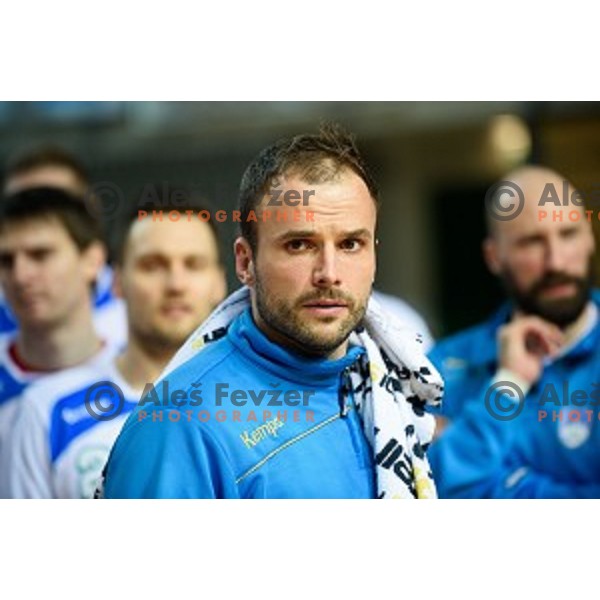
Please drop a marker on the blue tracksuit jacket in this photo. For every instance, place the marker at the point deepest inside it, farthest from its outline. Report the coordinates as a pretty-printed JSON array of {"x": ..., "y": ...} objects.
[
  {"x": 245, "y": 418},
  {"x": 550, "y": 450}
]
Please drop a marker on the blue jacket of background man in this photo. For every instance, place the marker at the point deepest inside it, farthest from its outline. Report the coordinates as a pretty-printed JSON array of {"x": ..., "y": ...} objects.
[
  {"x": 530, "y": 455},
  {"x": 209, "y": 451}
]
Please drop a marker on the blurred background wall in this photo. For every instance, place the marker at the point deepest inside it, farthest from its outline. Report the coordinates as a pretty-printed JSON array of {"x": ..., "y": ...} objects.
[{"x": 434, "y": 162}]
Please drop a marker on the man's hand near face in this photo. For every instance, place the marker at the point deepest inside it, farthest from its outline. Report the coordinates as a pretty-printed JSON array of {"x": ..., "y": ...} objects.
[{"x": 524, "y": 343}]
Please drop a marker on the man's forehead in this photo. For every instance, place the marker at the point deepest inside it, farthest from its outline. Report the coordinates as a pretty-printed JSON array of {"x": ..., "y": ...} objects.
[
  {"x": 296, "y": 180},
  {"x": 148, "y": 236},
  {"x": 169, "y": 252},
  {"x": 33, "y": 232},
  {"x": 546, "y": 204},
  {"x": 303, "y": 231},
  {"x": 57, "y": 176},
  {"x": 347, "y": 191},
  {"x": 295, "y": 176}
]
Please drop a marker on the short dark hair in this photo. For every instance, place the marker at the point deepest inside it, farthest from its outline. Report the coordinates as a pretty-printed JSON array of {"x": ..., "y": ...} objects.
[
  {"x": 167, "y": 205},
  {"x": 47, "y": 203},
  {"x": 315, "y": 157},
  {"x": 46, "y": 156}
]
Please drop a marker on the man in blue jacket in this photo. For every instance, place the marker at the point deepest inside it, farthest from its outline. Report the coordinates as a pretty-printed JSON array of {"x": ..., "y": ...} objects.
[
  {"x": 521, "y": 398},
  {"x": 281, "y": 403}
]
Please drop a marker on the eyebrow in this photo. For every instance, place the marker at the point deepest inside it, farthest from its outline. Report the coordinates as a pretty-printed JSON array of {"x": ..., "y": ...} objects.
[
  {"x": 42, "y": 247},
  {"x": 10, "y": 255},
  {"x": 308, "y": 233},
  {"x": 167, "y": 256}
]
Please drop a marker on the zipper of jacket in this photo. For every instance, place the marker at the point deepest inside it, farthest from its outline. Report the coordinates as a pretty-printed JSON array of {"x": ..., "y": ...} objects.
[
  {"x": 346, "y": 403},
  {"x": 344, "y": 391}
]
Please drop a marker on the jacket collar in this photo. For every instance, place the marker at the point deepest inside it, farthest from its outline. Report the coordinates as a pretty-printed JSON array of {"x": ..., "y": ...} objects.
[{"x": 283, "y": 362}]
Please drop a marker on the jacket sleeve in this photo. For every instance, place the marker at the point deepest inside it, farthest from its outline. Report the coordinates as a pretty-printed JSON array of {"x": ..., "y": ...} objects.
[
  {"x": 470, "y": 453},
  {"x": 154, "y": 459},
  {"x": 475, "y": 458},
  {"x": 522, "y": 482}
]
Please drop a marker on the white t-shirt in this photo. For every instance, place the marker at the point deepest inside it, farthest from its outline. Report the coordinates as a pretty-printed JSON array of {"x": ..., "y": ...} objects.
[
  {"x": 44, "y": 420},
  {"x": 13, "y": 382}
]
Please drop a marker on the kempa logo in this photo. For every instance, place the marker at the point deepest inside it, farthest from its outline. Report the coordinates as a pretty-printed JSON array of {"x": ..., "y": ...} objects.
[{"x": 254, "y": 437}]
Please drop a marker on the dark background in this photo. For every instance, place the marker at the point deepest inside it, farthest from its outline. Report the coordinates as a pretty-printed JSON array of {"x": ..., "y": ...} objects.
[{"x": 434, "y": 162}]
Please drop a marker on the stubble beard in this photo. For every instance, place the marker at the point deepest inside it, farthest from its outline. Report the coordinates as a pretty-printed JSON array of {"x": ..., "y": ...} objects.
[{"x": 284, "y": 319}]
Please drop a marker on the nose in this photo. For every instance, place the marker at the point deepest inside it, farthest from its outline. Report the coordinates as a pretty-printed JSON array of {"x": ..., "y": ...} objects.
[
  {"x": 176, "y": 279},
  {"x": 23, "y": 270},
  {"x": 556, "y": 255},
  {"x": 326, "y": 270}
]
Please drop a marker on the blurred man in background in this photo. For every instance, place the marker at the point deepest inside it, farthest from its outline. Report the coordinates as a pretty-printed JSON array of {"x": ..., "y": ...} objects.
[
  {"x": 45, "y": 166},
  {"x": 49, "y": 166},
  {"x": 514, "y": 431},
  {"x": 170, "y": 276},
  {"x": 51, "y": 252}
]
